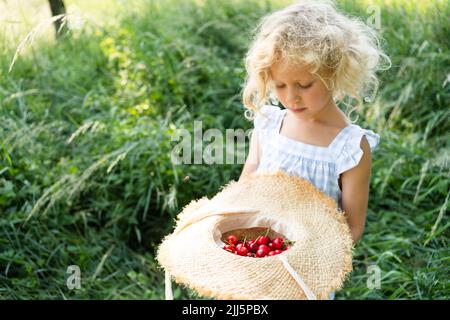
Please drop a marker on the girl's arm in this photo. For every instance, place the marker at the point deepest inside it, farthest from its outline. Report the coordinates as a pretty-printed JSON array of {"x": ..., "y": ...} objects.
[
  {"x": 355, "y": 192},
  {"x": 251, "y": 164}
]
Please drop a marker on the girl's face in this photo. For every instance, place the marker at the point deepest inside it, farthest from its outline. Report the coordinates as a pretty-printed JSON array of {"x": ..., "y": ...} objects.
[{"x": 302, "y": 93}]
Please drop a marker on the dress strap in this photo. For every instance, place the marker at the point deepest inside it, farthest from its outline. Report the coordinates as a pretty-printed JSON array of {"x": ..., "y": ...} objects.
[{"x": 341, "y": 138}]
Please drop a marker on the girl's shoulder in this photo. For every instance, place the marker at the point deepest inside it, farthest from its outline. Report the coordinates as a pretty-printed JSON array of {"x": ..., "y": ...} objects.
[
  {"x": 267, "y": 117},
  {"x": 348, "y": 149}
]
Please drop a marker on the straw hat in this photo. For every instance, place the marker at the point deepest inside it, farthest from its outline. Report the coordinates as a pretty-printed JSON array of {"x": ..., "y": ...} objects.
[{"x": 316, "y": 265}]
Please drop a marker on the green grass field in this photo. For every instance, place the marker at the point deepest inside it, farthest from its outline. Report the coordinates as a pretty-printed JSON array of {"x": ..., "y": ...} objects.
[{"x": 85, "y": 127}]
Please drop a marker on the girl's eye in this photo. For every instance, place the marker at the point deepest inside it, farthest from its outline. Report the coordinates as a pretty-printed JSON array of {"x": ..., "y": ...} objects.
[
  {"x": 281, "y": 86},
  {"x": 305, "y": 87}
]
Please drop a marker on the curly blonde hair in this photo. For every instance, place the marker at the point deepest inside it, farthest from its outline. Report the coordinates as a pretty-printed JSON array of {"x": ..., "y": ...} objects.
[{"x": 341, "y": 49}]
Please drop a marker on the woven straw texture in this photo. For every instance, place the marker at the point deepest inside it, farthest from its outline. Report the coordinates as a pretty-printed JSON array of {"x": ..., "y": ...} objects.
[{"x": 321, "y": 255}]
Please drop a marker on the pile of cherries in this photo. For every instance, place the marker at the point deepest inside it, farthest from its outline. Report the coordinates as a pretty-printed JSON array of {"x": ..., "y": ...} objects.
[{"x": 260, "y": 247}]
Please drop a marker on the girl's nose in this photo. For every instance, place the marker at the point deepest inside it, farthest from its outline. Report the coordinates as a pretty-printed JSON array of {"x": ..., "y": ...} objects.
[{"x": 293, "y": 96}]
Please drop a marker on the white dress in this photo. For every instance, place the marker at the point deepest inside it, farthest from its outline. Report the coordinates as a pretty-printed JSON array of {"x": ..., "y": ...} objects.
[{"x": 319, "y": 165}]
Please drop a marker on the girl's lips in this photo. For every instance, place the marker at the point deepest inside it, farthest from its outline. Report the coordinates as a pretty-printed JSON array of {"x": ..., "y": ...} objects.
[{"x": 298, "y": 110}]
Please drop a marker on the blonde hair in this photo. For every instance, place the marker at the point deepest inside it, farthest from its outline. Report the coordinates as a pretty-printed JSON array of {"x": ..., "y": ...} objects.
[{"x": 313, "y": 34}]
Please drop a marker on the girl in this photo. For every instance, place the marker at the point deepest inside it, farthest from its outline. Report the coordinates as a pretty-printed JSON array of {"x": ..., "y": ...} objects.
[{"x": 308, "y": 57}]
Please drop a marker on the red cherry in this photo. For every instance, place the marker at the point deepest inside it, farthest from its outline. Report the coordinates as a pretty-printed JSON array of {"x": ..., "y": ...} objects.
[
  {"x": 230, "y": 248},
  {"x": 242, "y": 250},
  {"x": 260, "y": 253},
  {"x": 286, "y": 248},
  {"x": 231, "y": 239},
  {"x": 253, "y": 247},
  {"x": 270, "y": 245},
  {"x": 278, "y": 243},
  {"x": 271, "y": 253},
  {"x": 263, "y": 240},
  {"x": 264, "y": 248},
  {"x": 278, "y": 251}
]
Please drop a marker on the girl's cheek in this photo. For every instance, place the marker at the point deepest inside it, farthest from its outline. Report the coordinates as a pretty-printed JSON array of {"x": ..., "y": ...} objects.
[
  {"x": 310, "y": 99},
  {"x": 315, "y": 98}
]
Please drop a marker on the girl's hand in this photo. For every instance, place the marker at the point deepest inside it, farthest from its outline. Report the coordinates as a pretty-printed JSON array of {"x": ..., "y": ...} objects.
[{"x": 355, "y": 192}]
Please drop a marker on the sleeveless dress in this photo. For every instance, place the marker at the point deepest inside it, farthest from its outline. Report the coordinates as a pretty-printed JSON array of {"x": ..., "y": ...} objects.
[{"x": 319, "y": 165}]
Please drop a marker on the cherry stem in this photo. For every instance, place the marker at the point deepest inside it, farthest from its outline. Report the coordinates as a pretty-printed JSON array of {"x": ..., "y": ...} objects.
[{"x": 288, "y": 243}]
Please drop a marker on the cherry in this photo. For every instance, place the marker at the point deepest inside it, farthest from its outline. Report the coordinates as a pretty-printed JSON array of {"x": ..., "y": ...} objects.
[
  {"x": 242, "y": 250},
  {"x": 271, "y": 253},
  {"x": 278, "y": 243},
  {"x": 253, "y": 247},
  {"x": 265, "y": 248},
  {"x": 263, "y": 240},
  {"x": 240, "y": 245},
  {"x": 260, "y": 253},
  {"x": 230, "y": 247},
  {"x": 232, "y": 239},
  {"x": 278, "y": 251}
]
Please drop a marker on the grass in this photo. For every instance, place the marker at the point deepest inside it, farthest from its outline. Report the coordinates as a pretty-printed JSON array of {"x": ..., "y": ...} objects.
[{"x": 85, "y": 171}]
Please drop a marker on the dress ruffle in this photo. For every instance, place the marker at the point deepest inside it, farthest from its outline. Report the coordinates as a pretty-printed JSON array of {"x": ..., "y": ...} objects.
[
  {"x": 352, "y": 153},
  {"x": 266, "y": 117}
]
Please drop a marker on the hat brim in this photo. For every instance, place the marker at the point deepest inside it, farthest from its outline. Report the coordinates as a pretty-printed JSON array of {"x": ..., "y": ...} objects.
[{"x": 294, "y": 207}]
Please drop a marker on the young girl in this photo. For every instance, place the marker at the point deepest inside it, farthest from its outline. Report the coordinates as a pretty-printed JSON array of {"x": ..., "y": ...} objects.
[{"x": 309, "y": 56}]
